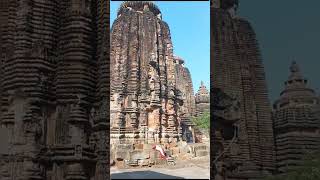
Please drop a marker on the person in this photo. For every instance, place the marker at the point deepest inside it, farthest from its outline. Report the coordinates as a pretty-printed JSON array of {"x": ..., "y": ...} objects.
[{"x": 163, "y": 154}]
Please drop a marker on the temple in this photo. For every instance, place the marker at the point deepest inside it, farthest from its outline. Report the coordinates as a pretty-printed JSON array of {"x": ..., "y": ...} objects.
[
  {"x": 202, "y": 100},
  {"x": 184, "y": 85},
  {"x": 152, "y": 99},
  {"x": 296, "y": 121},
  {"x": 237, "y": 71},
  {"x": 54, "y": 89},
  {"x": 144, "y": 95}
]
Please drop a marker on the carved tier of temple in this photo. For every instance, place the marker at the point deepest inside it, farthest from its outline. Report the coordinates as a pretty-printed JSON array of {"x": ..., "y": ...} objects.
[
  {"x": 237, "y": 70},
  {"x": 53, "y": 75},
  {"x": 296, "y": 121}
]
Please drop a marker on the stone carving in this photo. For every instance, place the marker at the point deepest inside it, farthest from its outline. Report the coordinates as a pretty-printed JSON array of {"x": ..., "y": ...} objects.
[
  {"x": 54, "y": 86},
  {"x": 295, "y": 120},
  {"x": 226, "y": 114},
  {"x": 237, "y": 69},
  {"x": 155, "y": 88}
]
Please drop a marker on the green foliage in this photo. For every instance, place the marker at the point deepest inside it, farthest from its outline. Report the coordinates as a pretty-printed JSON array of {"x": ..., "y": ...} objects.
[
  {"x": 309, "y": 170},
  {"x": 203, "y": 121}
]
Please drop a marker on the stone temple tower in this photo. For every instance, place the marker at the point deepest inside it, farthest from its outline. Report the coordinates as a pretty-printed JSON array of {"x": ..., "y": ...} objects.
[
  {"x": 145, "y": 100},
  {"x": 202, "y": 100},
  {"x": 296, "y": 120},
  {"x": 237, "y": 70},
  {"x": 53, "y": 96}
]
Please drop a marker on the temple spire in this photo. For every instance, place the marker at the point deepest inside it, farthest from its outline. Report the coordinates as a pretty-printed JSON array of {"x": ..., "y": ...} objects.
[
  {"x": 295, "y": 73},
  {"x": 294, "y": 67}
]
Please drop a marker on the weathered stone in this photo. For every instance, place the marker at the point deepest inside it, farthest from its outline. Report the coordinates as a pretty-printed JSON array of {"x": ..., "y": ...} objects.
[
  {"x": 125, "y": 147},
  {"x": 122, "y": 155},
  {"x": 175, "y": 150},
  {"x": 200, "y": 153},
  {"x": 187, "y": 108},
  {"x": 202, "y": 100},
  {"x": 237, "y": 70},
  {"x": 160, "y": 161},
  {"x": 144, "y": 96},
  {"x": 112, "y": 162},
  {"x": 138, "y": 146},
  {"x": 54, "y": 81},
  {"x": 151, "y": 90},
  {"x": 296, "y": 121}
]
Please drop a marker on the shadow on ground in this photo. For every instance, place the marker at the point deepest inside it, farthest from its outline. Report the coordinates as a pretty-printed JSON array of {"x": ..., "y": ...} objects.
[{"x": 143, "y": 175}]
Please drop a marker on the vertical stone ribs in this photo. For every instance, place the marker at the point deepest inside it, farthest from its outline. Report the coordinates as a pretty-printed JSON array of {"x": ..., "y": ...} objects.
[
  {"x": 187, "y": 110},
  {"x": 254, "y": 86},
  {"x": 145, "y": 99},
  {"x": 237, "y": 70},
  {"x": 54, "y": 88}
]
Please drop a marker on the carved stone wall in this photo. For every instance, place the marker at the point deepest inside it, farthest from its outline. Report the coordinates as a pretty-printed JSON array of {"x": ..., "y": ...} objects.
[
  {"x": 296, "y": 121},
  {"x": 237, "y": 70},
  {"x": 226, "y": 112},
  {"x": 187, "y": 110},
  {"x": 145, "y": 100},
  {"x": 54, "y": 88},
  {"x": 184, "y": 85}
]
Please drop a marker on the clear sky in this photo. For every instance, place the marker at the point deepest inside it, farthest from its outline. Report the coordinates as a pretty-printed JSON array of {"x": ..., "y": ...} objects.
[
  {"x": 189, "y": 24},
  {"x": 286, "y": 30}
]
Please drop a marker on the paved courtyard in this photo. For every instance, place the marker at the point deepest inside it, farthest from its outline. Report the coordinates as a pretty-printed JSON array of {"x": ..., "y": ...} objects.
[{"x": 193, "y": 171}]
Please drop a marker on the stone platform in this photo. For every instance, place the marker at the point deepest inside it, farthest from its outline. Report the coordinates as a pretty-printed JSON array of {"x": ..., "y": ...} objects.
[{"x": 142, "y": 155}]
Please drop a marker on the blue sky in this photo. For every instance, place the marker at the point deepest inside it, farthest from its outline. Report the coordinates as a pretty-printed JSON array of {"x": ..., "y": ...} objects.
[
  {"x": 189, "y": 24},
  {"x": 286, "y": 30}
]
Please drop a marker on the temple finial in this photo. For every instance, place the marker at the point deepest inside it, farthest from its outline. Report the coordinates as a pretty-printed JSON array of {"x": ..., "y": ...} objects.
[{"x": 294, "y": 67}]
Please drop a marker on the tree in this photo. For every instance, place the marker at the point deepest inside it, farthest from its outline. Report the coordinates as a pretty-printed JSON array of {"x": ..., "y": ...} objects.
[{"x": 202, "y": 121}]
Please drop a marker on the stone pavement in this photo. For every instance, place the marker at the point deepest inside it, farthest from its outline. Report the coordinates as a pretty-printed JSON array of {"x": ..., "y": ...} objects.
[{"x": 193, "y": 172}]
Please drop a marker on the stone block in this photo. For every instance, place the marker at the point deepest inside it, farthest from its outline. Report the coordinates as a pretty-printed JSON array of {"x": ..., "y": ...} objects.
[
  {"x": 138, "y": 146},
  {"x": 171, "y": 145},
  {"x": 168, "y": 152},
  {"x": 200, "y": 153},
  {"x": 112, "y": 162},
  {"x": 147, "y": 146},
  {"x": 160, "y": 161},
  {"x": 125, "y": 147},
  {"x": 175, "y": 150},
  {"x": 121, "y": 155},
  {"x": 185, "y": 149},
  {"x": 144, "y": 162},
  {"x": 137, "y": 154}
]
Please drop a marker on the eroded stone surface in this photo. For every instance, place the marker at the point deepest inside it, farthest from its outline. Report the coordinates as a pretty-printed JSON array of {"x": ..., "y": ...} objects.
[
  {"x": 237, "y": 70},
  {"x": 296, "y": 121},
  {"x": 152, "y": 98},
  {"x": 202, "y": 100},
  {"x": 53, "y": 75},
  {"x": 144, "y": 94}
]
